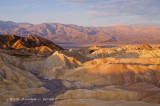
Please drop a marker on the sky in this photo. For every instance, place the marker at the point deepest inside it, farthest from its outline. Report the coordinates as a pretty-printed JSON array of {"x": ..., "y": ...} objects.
[{"x": 82, "y": 12}]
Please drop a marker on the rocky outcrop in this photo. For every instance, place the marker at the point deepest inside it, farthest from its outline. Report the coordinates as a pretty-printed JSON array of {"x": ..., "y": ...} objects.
[
  {"x": 18, "y": 45},
  {"x": 119, "y": 76},
  {"x": 36, "y": 41},
  {"x": 145, "y": 47},
  {"x": 56, "y": 63},
  {"x": 113, "y": 71},
  {"x": 16, "y": 42},
  {"x": 126, "y": 51},
  {"x": 44, "y": 51},
  {"x": 8, "y": 39},
  {"x": 16, "y": 83}
]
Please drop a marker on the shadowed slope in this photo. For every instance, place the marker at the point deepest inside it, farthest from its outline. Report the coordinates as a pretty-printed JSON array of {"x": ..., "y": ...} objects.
[
  {"x": 77, "y": 34},
  {"x": 16, "y": 42}
]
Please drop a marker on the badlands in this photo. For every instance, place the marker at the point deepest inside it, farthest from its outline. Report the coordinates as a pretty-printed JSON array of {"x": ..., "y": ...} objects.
[{"x": 120, "y": 76}]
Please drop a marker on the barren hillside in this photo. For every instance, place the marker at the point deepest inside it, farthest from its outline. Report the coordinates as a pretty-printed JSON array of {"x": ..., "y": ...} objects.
[{"x": 69, "y": 33}]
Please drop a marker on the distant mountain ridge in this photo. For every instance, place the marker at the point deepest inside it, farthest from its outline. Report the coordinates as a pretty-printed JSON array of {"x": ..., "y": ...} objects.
[{"x": 68, "y": 33}]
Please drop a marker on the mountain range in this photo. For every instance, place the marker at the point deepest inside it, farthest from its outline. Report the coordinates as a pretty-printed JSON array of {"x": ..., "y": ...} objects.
[{"x": 68, "y": 33}]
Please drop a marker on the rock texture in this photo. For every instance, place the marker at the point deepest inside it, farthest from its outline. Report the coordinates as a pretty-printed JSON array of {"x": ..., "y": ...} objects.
[
  {"x": 16, "y": 42},
  {"x": 149, "y": 93},
  {"x": 16, "y": 83},
  {"x": 126, "y": 51},
  {"x": 118, "y": 76},
  {"x": 114, "y": 77},
  {"x": 103, "y": 71},
  {"x": 56, "y": 62},
  {"x": 44, "y": 51}
]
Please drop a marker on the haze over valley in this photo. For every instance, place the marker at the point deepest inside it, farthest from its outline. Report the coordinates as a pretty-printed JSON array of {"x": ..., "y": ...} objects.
[{"x": 80, "y": 53}]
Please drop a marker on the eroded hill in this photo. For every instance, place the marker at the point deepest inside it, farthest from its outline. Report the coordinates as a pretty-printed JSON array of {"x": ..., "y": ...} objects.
[{"x": 118, "y": 76}]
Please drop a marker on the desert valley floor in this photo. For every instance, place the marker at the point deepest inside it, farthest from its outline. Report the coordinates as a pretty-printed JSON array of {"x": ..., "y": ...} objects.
[{"x": 48, "y": 75}]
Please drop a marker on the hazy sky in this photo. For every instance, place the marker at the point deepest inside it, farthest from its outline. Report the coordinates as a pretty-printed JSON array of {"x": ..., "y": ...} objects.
[{"x": 82, "y": 12}]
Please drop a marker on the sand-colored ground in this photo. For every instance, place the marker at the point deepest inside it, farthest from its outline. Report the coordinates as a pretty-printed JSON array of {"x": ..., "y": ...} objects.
[
  {"x": 119, "y": 76},
  {"x": 123, "y": 75},
  {"x": 16, "y": 83}
]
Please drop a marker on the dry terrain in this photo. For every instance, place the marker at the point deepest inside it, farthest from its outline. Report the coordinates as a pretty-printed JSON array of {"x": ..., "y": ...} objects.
[
  {"x": 127, "y": 75},
  {"x": 68, "y": 33}
]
